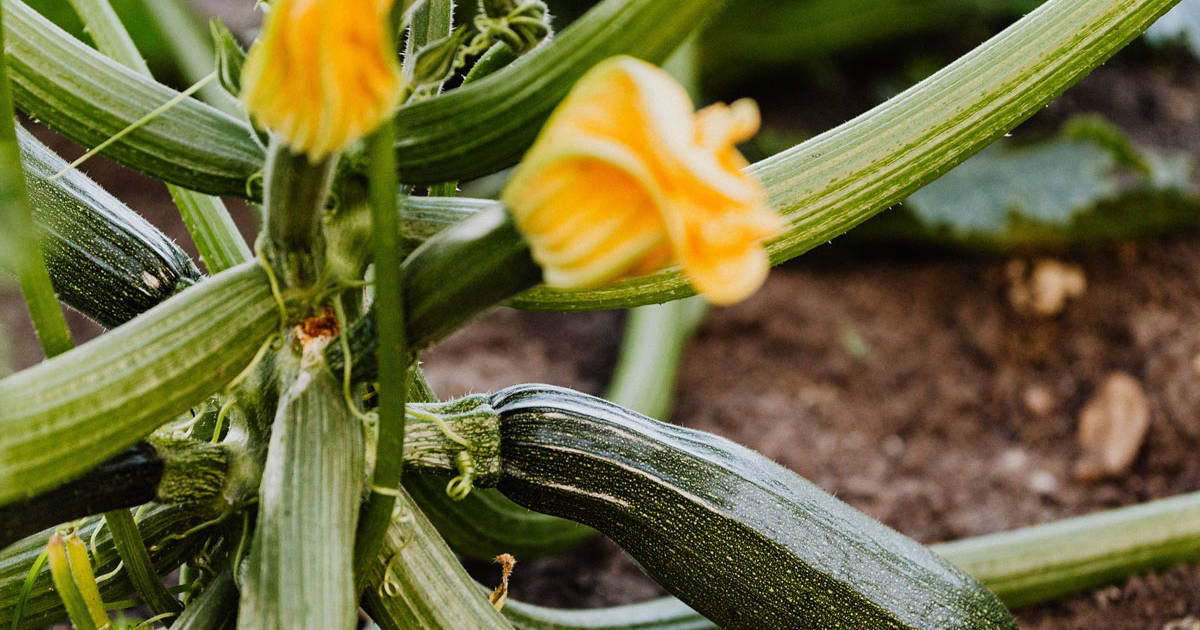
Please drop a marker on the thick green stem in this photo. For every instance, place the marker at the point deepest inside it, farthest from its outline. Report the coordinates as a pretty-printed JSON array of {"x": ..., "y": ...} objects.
[
  {"x": 299, "y": 570},
  {"x": 64, "y": 416},
  {"x": 416, "y": 582},
  {"x": 394, "y": 355},
  {"x": 294, "y": 196}
]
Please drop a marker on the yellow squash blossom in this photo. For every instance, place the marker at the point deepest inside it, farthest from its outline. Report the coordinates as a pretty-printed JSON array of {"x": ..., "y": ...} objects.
[
  {"x": 625, "y": 179},
  {"x": 323, "y": 73}
]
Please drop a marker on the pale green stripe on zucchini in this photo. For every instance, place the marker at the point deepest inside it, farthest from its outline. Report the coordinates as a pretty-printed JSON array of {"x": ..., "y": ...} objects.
[
  {"x": 63, "y": 416},
  {"x": 831, "y": 183}
]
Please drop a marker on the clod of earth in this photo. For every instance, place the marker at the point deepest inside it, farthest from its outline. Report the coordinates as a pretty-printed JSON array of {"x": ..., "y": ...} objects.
[{"x": 1112, "y": 427}]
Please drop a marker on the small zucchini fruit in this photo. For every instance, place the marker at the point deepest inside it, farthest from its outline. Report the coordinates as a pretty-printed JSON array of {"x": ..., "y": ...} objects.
[
  {"x": 740, "y": 539},
  {"x": 104, "y": 259}
]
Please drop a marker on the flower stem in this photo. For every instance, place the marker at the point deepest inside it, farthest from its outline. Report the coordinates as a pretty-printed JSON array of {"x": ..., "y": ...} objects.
[
  {"x": 294, "y": 196},
  {"x": 393, "y": 355}
]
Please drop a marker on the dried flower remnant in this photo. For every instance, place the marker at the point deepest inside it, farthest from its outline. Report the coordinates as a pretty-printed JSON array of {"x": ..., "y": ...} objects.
[{"x": 624, "y": 180}]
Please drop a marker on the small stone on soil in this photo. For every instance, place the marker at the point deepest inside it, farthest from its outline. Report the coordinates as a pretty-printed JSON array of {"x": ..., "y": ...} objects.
[
  {"x": 1112, "y": 427},
  {"x": 1043, "y": 289}
]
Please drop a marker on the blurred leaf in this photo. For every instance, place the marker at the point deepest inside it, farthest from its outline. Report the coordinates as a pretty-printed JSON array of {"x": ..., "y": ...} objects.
[
  {"x": 1179, "y": 25},
  {"x": 1047, "y": 183}
]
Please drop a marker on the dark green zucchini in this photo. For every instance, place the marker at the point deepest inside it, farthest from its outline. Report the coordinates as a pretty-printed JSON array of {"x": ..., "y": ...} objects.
[
  {"x": 737, "y": 537},
  {"x": 105, "y": 260}
]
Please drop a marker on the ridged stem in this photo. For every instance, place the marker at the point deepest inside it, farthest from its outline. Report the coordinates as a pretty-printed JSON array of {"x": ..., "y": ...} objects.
[
  {"x": 64, "y": 416},
  {"x": 394, "y": 355},
  {"x": 300, "y": 566},
  {"x": 416, "y": 582},
  {"x": 294, "y": 194}
]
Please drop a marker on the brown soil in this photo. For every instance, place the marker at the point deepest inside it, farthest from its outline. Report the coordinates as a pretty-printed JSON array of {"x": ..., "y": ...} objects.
[{"x": 931, "y": 430}]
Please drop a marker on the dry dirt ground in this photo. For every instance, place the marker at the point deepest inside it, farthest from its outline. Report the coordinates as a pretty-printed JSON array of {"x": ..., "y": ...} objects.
[{"x": 904, "y": 382}]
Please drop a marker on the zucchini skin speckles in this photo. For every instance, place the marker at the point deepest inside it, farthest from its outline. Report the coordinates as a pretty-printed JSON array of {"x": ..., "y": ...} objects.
[{"x": 737, "y": 537}]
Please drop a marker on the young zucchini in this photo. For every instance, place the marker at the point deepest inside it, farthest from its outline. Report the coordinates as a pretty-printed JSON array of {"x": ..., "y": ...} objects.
[
  {"x": 739, "y": 538},
  {"x": 104, "y": 260}
]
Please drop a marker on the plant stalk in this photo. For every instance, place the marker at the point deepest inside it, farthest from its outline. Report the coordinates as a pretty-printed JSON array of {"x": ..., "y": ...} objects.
[
  {"x": 294, "y": 197},
  {"x": 393, "y": 358}
]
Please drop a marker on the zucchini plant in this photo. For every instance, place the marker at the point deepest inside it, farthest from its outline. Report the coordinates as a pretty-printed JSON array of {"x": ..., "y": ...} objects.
[{"x": 266, "y": 428}]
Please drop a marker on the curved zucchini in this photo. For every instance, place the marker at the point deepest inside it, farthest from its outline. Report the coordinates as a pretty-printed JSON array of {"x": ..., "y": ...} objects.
[
  {"x": 739, "y": 538},
  {"x": 104, "y": 259}
]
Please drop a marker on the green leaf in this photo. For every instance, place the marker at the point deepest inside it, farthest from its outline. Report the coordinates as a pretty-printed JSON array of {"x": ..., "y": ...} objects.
[
  {"x": 1079, "y": 185},
  {"x": 1048, "y": 183}
]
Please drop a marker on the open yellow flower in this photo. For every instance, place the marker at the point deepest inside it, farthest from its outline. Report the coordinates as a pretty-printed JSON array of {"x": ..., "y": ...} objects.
[
  {"x": 624, "y": 179},
  {"x": 323, "y": 73}
]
